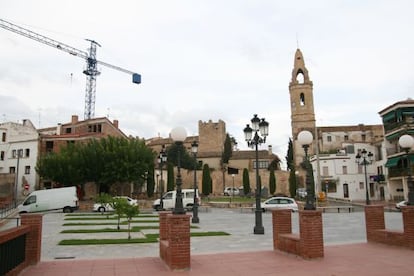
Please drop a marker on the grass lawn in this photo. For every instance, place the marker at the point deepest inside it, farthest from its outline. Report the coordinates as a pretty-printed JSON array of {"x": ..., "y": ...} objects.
[
  {"x": 149, "y": 238},
  {"x": 108, "y": 220}
]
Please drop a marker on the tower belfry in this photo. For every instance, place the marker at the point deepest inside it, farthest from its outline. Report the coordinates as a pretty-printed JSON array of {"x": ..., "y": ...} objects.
[{"x": 301, "y": 105}]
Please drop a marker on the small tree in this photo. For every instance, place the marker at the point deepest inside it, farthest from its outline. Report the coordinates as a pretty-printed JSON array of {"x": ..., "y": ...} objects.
[
  {"x": 119, "y": 205},
  {"x": 130, "y": 212},
  {"x": 272, "y": 181},
  {"x": 206, "y": 180},
  {"x": 292, "y": 182},
  {"x": 246, "y": 182},
  {"x": 150, "y": 181},
  {"x": 103, "y": 199},
  {"x": 170, "y": 177}
]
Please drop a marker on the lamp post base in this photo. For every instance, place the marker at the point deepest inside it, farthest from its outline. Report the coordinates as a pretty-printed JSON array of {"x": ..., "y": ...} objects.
[{"x": 258, "y": 228}]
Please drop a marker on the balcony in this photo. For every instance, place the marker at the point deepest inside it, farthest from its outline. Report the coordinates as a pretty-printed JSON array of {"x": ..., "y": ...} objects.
[{"x": 397, "y": 172}]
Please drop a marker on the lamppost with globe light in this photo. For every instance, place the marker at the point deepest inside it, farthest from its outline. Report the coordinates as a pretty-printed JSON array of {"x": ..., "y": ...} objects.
[
  {"x": 305, "y": 138},
  {"x": 365, "y": 158},
  {"x": 178, "y": 135},
  {"x": 262, "y": 127},
  {"x": 195, "y": 218},
  {"x": 406, "y": 142},
  {"x": 162, "y": 158}
]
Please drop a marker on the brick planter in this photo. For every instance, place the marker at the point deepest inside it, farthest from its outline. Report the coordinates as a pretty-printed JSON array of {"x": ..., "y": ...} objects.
[
  {"x": 309, "y": 243},
  {"x": 175, "y": 240}
]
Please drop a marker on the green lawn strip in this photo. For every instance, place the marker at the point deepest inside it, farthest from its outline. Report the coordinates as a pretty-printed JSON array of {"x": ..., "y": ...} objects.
[
  {"x": 98, "y": 218},
  {"x": 149, "y": 238},
  {"x": 108, "y": 215},
  {"x": 229, "y": 199},
  {"x": 108, "y": 230},
  {"x": 107, "y": 223}
]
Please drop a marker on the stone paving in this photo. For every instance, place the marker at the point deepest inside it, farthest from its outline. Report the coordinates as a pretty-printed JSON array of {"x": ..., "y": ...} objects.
[{"x": 342, "y": 228}]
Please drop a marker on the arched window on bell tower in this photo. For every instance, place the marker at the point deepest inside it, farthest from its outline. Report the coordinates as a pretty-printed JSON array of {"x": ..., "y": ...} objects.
[
  {"x": 302, "y": 99},
  {"x": 300, "y": 78}
]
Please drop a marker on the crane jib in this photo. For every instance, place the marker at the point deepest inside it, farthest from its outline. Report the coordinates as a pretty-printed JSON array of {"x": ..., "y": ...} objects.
[{"x": 90, "y": 57}]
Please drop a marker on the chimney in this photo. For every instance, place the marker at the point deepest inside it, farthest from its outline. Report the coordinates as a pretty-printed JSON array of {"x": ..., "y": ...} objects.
[
  {"x": 59, "y": 129},
  {"x": 270, "y": 149},
  {"x": 116, "y": 123},
  {"x": 75, "y": 119}
]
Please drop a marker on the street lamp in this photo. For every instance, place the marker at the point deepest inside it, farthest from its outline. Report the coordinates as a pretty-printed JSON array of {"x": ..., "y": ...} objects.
[
  {"x": 407, "y": 142},
  {"x": 178, "y": 135},
  {"x": 305, "y": 138},
  {"x": 254, "y": 141},
  {"x": 364, "y": 159},
  {"x": 162, "y": 158},
  {"x": 194, "y": 149}
]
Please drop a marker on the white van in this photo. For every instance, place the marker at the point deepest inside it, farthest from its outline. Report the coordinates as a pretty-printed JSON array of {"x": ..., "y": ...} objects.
[
  {"x": 168, "y": 200},
  {"x": 51, "y": 199}
]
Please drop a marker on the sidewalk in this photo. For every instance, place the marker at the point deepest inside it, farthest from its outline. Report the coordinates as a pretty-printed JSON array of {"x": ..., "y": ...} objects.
[{"x": 352, "y": 259}]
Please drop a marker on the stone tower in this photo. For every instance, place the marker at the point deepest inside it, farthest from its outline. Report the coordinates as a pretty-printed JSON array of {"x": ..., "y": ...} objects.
[
  {"x": 211, "y": 137},
  {"x": 301, "y": 105}
]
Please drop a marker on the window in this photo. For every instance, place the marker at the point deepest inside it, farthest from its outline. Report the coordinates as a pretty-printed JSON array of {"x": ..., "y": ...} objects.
[
  {"x": 49, "y": 146},
  {"x": 262, "y": 164},
  {"x": 30, "y": 200},
  {"x": 3, "y": 137},
  {"x": 299, "y": 77},
  {"x": 329, "y": 138},
  {"x": 14, "y": 154},
  {"x": 27, "y": 170},
  {"x": 363, "y": 137},
  {"x": 95, "y": 128},
  {"x": 344, "y": 170},
  {"x": 302, "y": 99},
  {"x": 325, "y": 170},
  {"x": 27, "y": 153},
  {"x": 359, "y": 169},
  {"x": 68, "y": 130},
  {"x": 12, "y": 170},
  {"x": 2, "y": 155},
  {"x": 346, "y": 138},
  {"x": 361, "y": 185}
]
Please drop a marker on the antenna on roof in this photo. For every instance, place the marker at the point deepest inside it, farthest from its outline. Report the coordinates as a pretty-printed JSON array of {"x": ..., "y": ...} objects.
[{"x": 297, "y": 40}]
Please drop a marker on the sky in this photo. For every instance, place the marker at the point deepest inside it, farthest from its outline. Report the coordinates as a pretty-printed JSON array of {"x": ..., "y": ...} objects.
[{"x": 207, "y": 60}]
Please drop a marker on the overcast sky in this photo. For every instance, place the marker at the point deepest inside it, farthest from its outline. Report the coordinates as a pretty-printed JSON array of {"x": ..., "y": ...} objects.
[{"x": 207, "y": 59}]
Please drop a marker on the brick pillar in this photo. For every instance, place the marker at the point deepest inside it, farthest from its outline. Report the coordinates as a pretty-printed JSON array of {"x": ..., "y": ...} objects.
[
  {"x": 408, "y": 221},
  {"x": 163, "y": 225},
  {"x": 179, "y": 241},
  {"x": 311, "y": 234},
  {"x": 282, "y": 224},
  {"x": 34, "y": 237},
  {"x": 374, "y": 220}
]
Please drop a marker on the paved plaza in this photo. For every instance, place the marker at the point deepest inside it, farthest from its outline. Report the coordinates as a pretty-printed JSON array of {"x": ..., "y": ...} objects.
[
  {"x": 241, "y": 253},
  {"x": 339, "y": 228}
]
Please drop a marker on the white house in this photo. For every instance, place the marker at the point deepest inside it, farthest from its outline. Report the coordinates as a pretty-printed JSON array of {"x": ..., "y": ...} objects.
[{"x": 18, "y": 155}]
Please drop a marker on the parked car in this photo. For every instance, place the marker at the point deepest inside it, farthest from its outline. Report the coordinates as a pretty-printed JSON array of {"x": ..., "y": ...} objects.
[
  {"x": 107, "y": 207},
  {"x": 401, "y": 204},
  {"x": 168, "y": 200},
  {"x": 231, "y": 191},
  {"x": 279, "y": 202}
]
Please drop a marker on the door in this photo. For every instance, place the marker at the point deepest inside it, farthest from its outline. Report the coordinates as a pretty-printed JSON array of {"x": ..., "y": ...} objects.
[
  {"x": 346, "y": 191},
  {"x": 382, "y": 193},
  {"x": 168, "y": 200}
]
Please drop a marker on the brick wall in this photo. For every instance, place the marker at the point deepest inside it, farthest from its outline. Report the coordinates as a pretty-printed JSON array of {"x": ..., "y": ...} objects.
[{"x": 31, "y": 225}]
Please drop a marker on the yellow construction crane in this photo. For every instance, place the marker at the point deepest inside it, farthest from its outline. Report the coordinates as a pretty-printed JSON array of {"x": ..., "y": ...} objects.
[{"x": 91, "y": 70}]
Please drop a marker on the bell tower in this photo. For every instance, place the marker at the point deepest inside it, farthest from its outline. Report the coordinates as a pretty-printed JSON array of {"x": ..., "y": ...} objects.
[{"x": 301, "y": 106}]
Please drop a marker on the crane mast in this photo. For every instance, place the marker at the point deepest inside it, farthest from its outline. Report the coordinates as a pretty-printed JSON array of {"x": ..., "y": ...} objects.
[{"x": 91, "y": 70}]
